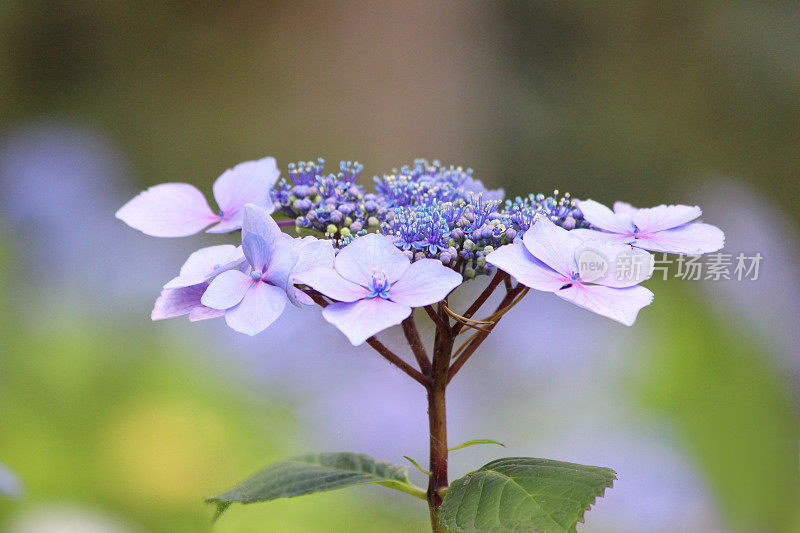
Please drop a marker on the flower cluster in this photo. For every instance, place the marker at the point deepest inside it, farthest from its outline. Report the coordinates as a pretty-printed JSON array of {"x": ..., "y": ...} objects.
[
  {"x": 376, "y": 256},
  {"x": 333, "y": 204}
]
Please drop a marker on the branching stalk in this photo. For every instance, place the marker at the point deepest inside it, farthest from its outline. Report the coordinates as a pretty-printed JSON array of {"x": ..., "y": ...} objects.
[
  {"x": 511, "y": 298},
  {"x": 393, "y": 358},
  {"x": 378, "y": 346},
  {"x": 415, "y": 342},
  {"x": 435, "y": 374},
  {"x": 487, "y": 292}
]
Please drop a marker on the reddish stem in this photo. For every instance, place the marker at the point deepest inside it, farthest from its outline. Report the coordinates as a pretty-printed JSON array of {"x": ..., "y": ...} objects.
[
  {"x": 396, "y": 361},
  {"x": 481, "y": 335},
  {"x": 415, "y": 342},
  {"x": 437, "y": 420},
  {"x": 377, "y": 345},
  {"x": 476, "y": 305}
]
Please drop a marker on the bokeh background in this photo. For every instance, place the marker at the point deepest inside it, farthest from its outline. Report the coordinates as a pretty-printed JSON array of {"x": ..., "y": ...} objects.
[{"x": 111, "y": 423}]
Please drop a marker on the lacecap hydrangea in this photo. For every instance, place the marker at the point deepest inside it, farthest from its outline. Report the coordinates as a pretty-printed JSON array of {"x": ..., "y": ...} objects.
[{"x": 424, "y": 212}]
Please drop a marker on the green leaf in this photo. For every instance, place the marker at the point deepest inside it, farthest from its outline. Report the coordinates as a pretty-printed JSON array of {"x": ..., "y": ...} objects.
[
  {"x": 523, "y": 494},
  {"x": 413, "y": 462},
  {"x": 319, "y": 472},
  {"x": 473, "y": 442}
]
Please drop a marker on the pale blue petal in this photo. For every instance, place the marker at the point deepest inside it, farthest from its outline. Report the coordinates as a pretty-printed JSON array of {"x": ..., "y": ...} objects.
[
  {"x": 604, "y": 218},
  {"x": 246, "y": 183},
  {"x": 257, "y": 251},
  {"x": 552, "y": 245},
  {"x": 692, "y": 239},
  {"x": 178, "y": 302},
  {"x": 362, "y": 319},
  {"x": 622, "y": 305},
  {"x": 587, "y": 234},
  {"x": 281, "y": 263},
  {"x": 206, "y": 263},
  {"x": 425, "y": 282},
  {"x": 664, "y": 217},
  {"x": 227, "y": 290},
  {"x": 371, "y": 253},
  {"x": 331, "y": 284},
  {"x": 168, "y": 210},
  {"x": 516, "y": 260},
  {"x": 612, "y": 264},
  {"x": 259, "y": 308},
  {"x": 204, "y": 313},
  {"x": 313, "y": 253},
  {"x": 257, "y": 220},
  {"x": 231, "y": 222},
  {"x": 302, "y": 298},
  {"x": 623, "y": 208}
]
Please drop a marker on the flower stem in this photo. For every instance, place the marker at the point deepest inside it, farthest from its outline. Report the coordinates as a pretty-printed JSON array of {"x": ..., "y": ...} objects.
[
  {"x": 415, "y": 342},
  {"x": 496, "y": 280},
  {"x": 436, "y": 320},
  {"x": 390, "y": 356},
  {"x": 437, "y": 420},
  {"x": 480, "y": 336},
  {"x": 379, "y": 347}
]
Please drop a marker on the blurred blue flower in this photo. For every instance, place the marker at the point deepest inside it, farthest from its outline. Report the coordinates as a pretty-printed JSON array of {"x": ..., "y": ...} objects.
[{"x": 9, "y": 483}]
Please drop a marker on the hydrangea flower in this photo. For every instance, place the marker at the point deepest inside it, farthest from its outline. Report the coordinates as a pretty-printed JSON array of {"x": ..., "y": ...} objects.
[
  {"x": 426, "y": 211},
  {"x": 180, "y": 209},
  {"x": 665, "y": 228},
  {"x": 182, "y": 295},
  {"x": 376, "y": 286},
  {"x": 552, "y": 259},
  {"x": 253, "y": 298}
]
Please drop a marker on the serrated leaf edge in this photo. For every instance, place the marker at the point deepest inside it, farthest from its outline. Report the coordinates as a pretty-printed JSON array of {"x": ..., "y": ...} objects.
[{"x": 581, "y": 519}]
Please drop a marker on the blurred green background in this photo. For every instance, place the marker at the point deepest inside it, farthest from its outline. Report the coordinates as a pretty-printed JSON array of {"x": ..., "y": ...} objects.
[{"x": 116, "y": 424}]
